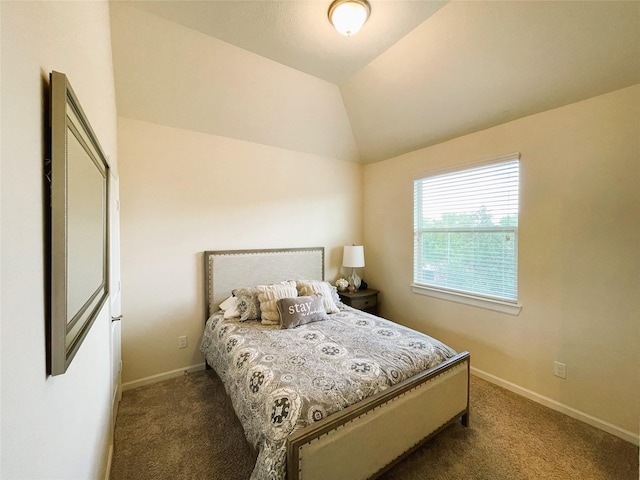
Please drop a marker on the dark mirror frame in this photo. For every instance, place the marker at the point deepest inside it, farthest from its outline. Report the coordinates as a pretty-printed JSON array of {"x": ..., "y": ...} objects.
[{"x": 79, "y": 253}]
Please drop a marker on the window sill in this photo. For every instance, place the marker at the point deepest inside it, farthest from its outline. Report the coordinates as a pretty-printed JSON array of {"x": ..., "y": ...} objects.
[{"x": 481, "y": 302}]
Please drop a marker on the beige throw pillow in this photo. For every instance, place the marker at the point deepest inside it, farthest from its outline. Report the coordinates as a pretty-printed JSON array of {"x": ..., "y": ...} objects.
[
  {"x": 311, "y": 287},
  {"x": 269, "y": 295}
]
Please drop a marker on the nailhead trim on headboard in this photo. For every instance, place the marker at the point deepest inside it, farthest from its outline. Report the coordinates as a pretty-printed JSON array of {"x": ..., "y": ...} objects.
[{"x": 229, "y": 269}]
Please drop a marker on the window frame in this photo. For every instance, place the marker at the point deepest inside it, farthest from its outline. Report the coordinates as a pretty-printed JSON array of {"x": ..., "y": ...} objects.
[{"x": 511, "y": 307}]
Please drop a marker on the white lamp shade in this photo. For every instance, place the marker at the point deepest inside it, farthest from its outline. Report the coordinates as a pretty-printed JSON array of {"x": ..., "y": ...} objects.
[
  {"x": 348, "y": 16},
  {"x": 353, "y": 256}
]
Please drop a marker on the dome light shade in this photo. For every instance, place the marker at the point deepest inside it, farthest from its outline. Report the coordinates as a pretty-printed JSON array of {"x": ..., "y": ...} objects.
[{"x": 348, "y": 16}]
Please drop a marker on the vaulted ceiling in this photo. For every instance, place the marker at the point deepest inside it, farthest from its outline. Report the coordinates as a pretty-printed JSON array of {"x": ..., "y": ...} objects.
[{"x": 419, "y": 72}]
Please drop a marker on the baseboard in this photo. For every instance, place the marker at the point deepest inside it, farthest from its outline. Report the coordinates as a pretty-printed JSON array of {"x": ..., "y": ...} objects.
[
  {"x": 162, "y": 376},
  {"x": 559, "y": 407},
  {"x": 107, "y": 474}
]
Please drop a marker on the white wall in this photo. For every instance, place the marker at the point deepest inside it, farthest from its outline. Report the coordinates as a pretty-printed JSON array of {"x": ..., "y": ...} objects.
[
  {"x": 172, "y": 75},
  {"x": 183, "y": 192},
  {"x": 51, "y": 427},
  {"x": 579, "y": 256}
]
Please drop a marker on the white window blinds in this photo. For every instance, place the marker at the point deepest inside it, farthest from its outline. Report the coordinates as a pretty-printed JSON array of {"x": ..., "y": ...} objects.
[{"x": 466, "y": 231}]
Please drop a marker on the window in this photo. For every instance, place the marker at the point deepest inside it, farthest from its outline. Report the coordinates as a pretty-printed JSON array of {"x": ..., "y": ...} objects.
[{"x": 466, "y": 233}]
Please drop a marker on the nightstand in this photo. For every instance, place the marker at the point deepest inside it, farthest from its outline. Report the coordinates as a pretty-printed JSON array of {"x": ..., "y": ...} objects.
[{"x": 366, "y": 300}]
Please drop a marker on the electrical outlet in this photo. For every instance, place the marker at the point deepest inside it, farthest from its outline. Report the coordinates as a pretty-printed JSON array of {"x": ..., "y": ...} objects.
[
  {"x": 560, "y": 369},
  {"x": 182, "y": 341}
]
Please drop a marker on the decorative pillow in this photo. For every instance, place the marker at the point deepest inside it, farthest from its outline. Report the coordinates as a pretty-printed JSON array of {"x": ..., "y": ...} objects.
[
  {"x": 269, "y": 294},
  {"x": 334, "y": 294},
  {"x": 248, "y": 304},
  {"x": 300, "y": 310},
  {"x": 311, "y": 287},
  {"x": 229, "y": 302},
  {"x": 230, "y": 307}
]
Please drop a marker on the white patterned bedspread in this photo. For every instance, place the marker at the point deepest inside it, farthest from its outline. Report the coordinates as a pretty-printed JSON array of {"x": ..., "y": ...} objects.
[{"x": 283, "y": 380}]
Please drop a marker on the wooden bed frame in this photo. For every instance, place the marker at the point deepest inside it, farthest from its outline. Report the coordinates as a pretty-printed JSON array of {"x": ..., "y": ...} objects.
[{"x": 367, "y": 438}]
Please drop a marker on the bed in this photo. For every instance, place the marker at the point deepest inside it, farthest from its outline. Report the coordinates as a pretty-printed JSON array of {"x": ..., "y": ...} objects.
[{"x": 344, "y": 397}]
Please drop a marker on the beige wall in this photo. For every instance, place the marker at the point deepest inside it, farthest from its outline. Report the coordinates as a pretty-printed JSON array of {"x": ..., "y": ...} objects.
[
  {"x": 52, "y": 427},
  {"x": 183, "y": 192},
  {"x": 579, "y": 256},
  {"x": 220, "y": 149},
  {"x": 457, "y": 73}
]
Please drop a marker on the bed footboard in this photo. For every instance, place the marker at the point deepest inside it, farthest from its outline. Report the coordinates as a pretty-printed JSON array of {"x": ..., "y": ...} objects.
[{"x": 368, "y": 438}]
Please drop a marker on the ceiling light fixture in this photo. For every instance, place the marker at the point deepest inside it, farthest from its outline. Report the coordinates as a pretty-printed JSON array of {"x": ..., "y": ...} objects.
[{"x": 348, "y": 16}]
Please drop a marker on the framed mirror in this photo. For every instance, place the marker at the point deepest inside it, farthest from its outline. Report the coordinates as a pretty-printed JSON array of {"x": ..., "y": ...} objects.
[{"x": 79, "y": 226}]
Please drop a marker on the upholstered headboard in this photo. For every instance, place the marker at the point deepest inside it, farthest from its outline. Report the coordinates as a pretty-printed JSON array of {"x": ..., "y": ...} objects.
[{"x": 228, "y": 269}]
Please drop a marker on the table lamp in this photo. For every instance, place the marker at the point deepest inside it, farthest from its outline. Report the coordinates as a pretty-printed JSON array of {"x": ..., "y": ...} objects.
[{"x": 353, "y": 256}]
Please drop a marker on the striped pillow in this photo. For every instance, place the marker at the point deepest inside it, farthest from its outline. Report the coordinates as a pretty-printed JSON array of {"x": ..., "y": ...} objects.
[{"x": 268, "y": 295}]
